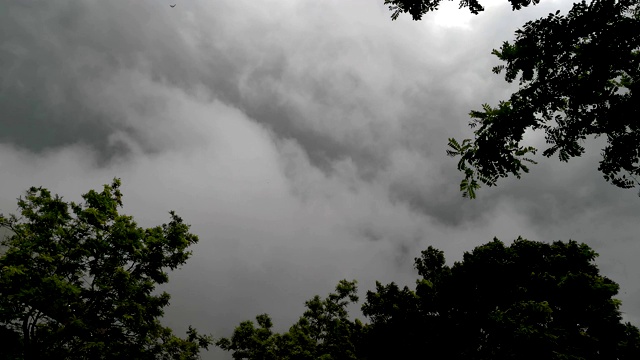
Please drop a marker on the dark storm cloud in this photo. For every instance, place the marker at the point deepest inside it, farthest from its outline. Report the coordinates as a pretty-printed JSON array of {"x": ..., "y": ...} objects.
[
  {"x": 84, "y": 43},
  {"x": 40, "y": 98},
  {"x": 303, "y": 81},
  {"x": 48, "y": 56},
  {"x": 55, "y": 56},
  {"x": 51, "y": 53}
]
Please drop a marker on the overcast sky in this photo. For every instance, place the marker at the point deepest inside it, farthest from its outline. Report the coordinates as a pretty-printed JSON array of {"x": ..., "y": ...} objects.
[{"x": 304, "y": 140}]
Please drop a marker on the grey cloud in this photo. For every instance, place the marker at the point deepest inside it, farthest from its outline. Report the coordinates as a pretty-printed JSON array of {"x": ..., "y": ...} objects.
[
  {"x": 54, "y": 54},
  {"x": 85, "y": 43},
  {"x": 370, "y": 234}
]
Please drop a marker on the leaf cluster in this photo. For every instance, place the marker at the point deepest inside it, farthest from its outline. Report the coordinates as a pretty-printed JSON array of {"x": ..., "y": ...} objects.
[
  {"x": 417, "y": 8},
  {"x": 79, "y": 280},
  {"x": 579, "y": 75},
  {"x": 324, "y": 331}
]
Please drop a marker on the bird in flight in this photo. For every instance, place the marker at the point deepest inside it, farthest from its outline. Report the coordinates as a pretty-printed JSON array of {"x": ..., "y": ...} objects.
[{"x": 174, "y": 5}]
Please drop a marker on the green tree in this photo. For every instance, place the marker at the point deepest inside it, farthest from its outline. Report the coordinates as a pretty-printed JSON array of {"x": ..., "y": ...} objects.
[
  {"x": 569, "y": 89},
  {"x": 530, "y": 300},
  {"x": 324, "y": 332},
  {"x": 78, "y": 281},
  {"x": 409, "y": 319}
]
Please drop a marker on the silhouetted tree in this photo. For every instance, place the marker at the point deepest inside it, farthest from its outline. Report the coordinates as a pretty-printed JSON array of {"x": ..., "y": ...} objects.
[
  {"x": 530, "y": 300},
  {"x": 324, "y": 331}
]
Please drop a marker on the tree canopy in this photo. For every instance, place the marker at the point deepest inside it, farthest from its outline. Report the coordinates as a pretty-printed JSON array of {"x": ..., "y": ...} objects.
[
  {"x": 578, "y": 74},
  {"x": 324, "y": 332},
  {"x": 529, "y": 300},
  {"x": 78, "y": 281}
]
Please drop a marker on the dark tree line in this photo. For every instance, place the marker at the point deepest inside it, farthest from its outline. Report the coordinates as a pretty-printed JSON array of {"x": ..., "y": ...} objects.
[
  {"x": 529, "y": 300},
  {"x": 77, "y": 281}
]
